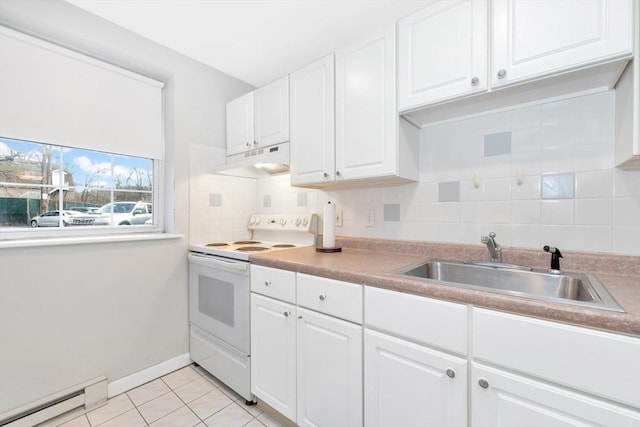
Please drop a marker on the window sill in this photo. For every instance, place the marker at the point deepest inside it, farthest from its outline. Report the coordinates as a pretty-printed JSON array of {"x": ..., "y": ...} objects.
[{"x": 80, "y": 240}]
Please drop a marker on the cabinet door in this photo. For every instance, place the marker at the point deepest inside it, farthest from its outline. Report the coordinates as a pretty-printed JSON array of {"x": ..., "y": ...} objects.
[
  {"x": 271, "y": 104},
  {"x": 329, "y": 371},
  {"x": 312, "y": 103},
  {"x": 273, "y": 354},
  {"x": 442, "y": 53},
  {"x": 501, "y": 399},
  {"x": 240, "y": 124},
  {"x": 535, "y": 38},
  {"x": 366, "y": 117},
  {"x": 407, "y": 384}
]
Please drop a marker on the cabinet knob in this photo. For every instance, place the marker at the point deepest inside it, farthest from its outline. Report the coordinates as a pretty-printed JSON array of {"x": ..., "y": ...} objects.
[
  {"x": 248, "y": 144},
  {"x": 255, "y": 142},
  {"x": 475, "y": 81},
  {"x": 501, "y": 73},
  {"x": 337, "y": 173},
  {"x": 326, "y": 175},
  {"x": 322, "y": 297},
  {"x": 482, "y": 382},
  {"x": 287, "y": 313},
  {"x": 451, "y": 373},
  {"x": 267, "y": 283}
]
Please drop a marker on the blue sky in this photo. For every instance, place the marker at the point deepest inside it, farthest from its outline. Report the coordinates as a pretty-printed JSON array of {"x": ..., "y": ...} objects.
[{"x": 90, "y": 168}]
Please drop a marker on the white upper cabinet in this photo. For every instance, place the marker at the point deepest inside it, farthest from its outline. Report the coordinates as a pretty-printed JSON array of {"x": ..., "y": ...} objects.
[
  {"x": 240, "y": 124},
  {"x": 442, "y": 53},
  {"x": 356, "y": 138},
  {"x": 366, "y": 121},
  {"x": 535, "y": 38},
  {"x": 312, "y": 93},
  {"x": 271, "y": 104}
]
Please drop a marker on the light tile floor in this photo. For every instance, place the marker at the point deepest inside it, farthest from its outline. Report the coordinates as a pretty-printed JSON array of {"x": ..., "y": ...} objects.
[{"x": 185, "y": 398}]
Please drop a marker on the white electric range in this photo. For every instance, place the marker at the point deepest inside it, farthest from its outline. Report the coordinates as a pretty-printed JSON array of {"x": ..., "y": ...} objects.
[{"x": 219, "y": 294}]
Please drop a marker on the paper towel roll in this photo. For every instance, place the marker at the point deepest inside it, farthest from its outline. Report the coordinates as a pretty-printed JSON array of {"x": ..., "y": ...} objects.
[{"x": 329, "y": 226}]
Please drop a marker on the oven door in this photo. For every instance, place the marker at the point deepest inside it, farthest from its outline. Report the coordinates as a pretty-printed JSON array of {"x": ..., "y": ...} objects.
[{"x": 219, "y": 298}]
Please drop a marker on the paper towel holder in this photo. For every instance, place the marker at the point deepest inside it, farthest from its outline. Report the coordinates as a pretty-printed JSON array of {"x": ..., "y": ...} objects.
[{"x": 328, "y": 224}]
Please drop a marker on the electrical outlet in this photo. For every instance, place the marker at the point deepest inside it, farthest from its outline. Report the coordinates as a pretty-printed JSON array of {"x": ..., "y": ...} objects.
[
  {"x": 338, "y": 218},
  {"x": 371, "y": 218}
]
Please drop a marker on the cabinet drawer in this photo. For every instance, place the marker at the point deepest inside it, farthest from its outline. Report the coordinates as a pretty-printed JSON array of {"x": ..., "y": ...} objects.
[
  {"x": 333, "y": 297},
  {"x": 437, "y": 323},
  {"x": 596, "y": 362},
  {"x": 274, "y": 283}
]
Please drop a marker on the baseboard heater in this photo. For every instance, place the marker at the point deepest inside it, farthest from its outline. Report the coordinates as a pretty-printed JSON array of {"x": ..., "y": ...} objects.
[{"x": 88, "y": 394}]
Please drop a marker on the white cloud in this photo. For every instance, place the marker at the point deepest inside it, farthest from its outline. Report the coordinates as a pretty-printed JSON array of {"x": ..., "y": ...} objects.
[{"x": 4, "y": 149}]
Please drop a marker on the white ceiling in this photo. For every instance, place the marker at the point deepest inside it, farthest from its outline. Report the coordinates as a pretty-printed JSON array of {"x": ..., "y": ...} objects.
[{"x": 254, "y": 40}]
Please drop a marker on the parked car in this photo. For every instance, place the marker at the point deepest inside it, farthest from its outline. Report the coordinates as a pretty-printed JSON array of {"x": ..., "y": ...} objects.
[
  {"x": 84, "y": 209},
  {"x": 125, "y": 213},
  {"x": 69, "y": 217}
]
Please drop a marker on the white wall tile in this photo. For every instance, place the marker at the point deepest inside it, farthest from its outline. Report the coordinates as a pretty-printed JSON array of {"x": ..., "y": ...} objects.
[
  {"x": 561, "y": 236},
  {"x": 526, "y": 235},
  {"x": 626, "y": 240},
  {"x": 497, "y": 189},
  {"x": 497, "y": 212},
  {"x": 594, "y": 212},
  {"x": 626, "y": 211},
  {"x": 557, "y": 212},
  {"x": 526, "y": 212},
  {"x": 529, "y": 188},
  {"x": 594, "y": 184},
  {"x": 594, "y": 238}
]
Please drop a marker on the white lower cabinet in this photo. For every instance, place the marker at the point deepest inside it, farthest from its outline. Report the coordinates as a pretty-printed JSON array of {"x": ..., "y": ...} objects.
[
  {"x": 329, "y": 371},
  {"x": 502, "y": 399},
  {"x": 307, "y": 364},
  {"x": 407, "y": 384},
  {"x": 273, "y": 353}
]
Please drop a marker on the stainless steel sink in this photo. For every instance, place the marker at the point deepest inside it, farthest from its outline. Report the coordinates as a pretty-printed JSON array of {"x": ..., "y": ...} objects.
[{"x": 569, "y": 288}]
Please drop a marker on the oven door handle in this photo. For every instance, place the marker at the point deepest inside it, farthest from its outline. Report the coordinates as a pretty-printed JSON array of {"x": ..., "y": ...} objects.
[{"x": 210, "y": 261}]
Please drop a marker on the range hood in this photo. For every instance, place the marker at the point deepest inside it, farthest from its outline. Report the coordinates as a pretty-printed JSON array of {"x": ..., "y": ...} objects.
[{"x": 257, "y": 163}]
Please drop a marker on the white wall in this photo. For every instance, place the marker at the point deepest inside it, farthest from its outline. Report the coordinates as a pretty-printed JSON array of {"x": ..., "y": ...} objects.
[
  {"x": 571, "y": 137},
  {"x": 69, "y": 313}
]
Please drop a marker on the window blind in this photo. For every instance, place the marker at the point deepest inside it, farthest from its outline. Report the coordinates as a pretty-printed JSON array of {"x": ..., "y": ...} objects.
[{"x": 51, "y": 94}]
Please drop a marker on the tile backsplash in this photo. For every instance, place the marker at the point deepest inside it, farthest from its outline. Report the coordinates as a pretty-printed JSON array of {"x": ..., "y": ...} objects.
[{"x": 535, "y": 175}]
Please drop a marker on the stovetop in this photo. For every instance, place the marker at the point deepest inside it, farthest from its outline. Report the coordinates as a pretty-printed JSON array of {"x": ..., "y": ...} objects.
[{"x": 270, "y": 232}]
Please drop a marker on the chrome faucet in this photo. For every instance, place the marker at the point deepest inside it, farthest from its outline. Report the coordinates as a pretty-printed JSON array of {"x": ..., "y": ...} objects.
[{"x": 494, "y": 248}]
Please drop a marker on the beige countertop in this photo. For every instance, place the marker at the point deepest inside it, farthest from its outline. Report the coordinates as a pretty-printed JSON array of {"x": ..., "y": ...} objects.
[{"x": 360, "y": 264}]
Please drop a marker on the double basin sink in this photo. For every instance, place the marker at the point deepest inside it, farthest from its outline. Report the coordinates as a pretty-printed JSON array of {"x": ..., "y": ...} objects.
[{"x": 569, "y": 288}]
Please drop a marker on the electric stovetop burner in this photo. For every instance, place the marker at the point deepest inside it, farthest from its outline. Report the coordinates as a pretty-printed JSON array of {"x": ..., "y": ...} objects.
[
  {"x": 283, "y": 245},
  {"x": 246, "y": 242},
  {"x": 216, "y": 244},
  {"x": 252, "y": 248}
]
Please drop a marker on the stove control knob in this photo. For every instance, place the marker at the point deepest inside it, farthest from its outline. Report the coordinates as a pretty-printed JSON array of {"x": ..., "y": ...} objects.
[
  {"x": 298, "y": 222},
  {"x": 305, "y": 221}
]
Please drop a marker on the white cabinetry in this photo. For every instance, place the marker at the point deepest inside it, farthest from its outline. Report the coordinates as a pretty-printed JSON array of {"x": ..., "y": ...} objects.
[
  {"x": 259, "y": 118},
  {"x": 444, "y": 48},
  {"x": 240, "y": 124},
  {"x": 329, "y": 371},
  {"x": 407, "y": 384},
  {"x": 365, "y": 142},
  {"x": 312, "y": 92},
  {"x": 273, "y": 338},
  {"x": 273, "y": 358},
  {"x": 502, "y": 399},
  {"x": 531, "y": 39},
  {"x": 271, "y": 105},
  {"x": 307, "y": 364},
  {"x": 408, "y": 379},
  {"x": 565, "y": 364},
  {"x": 442, "y": 52}
]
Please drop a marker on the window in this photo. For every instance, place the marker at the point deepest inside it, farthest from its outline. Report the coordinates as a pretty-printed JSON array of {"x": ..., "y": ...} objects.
[{"x": 93, "y": 189}]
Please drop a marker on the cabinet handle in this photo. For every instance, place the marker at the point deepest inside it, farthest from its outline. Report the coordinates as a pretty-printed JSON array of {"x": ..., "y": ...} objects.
[
  {"x": 248, "y": 144},
  {"x": 326, "y": 175},
  {"x": 483, "y": 383},
  {"x": 451, "y": 373},
  {"x": 475, "y": 81},
  {"x": 337, "y": 173},
  {"x": 501, "y": 73},
  {"x": 299, "y": 317},
  {"x": 267, "y": 283},
  {"x": 322, "y": 297},
  {"x": 255, "y": 142},
  {"x": 287, "y": 313}
]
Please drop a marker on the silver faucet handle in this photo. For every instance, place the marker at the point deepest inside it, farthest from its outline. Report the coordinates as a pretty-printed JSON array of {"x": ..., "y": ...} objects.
[{"x": 492, "y": 235}]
